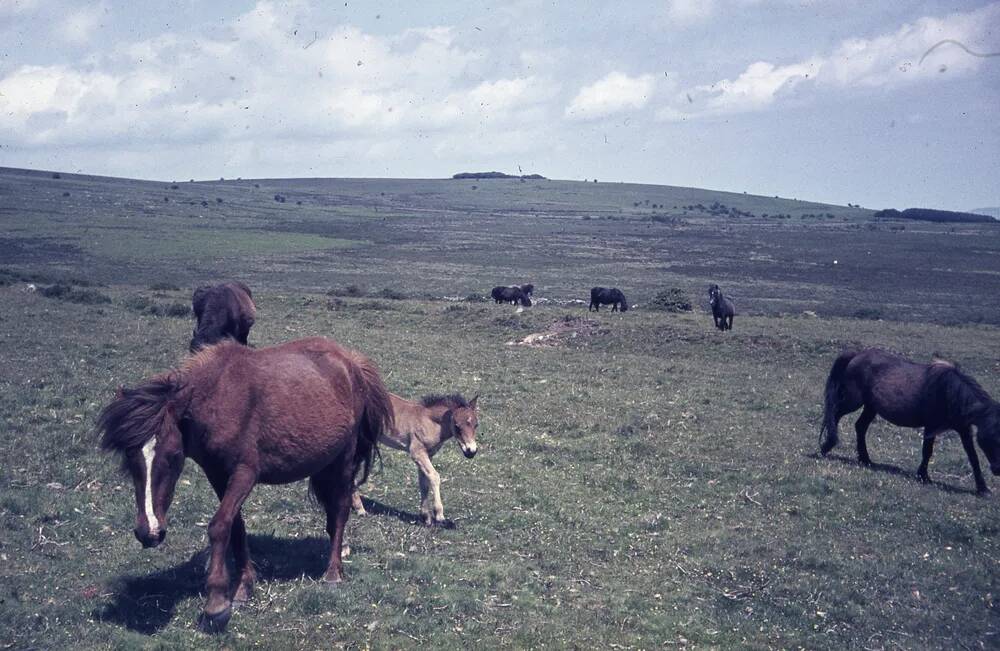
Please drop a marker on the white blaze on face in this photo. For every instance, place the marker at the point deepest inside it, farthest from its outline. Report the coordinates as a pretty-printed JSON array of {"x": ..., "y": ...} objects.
[{"x": 148, "y": 453}]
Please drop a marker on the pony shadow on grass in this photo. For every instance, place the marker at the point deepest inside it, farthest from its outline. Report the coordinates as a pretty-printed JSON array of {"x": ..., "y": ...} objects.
[
  {"x": 146, "y": 604},
  {"x": 890, "y": 469},
  {"x": 375, "y": 507}
]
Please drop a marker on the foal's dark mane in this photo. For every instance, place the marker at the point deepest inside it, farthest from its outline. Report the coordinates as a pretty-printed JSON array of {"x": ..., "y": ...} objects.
[
  {"x": 965, "y": 397},
  {"x": 452, "y": 401}
]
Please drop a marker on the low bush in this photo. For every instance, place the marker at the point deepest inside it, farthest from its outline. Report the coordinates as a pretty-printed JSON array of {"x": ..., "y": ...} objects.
[
  {"x": 73, "y": 294},
  {"x": 671, "y": 300}
]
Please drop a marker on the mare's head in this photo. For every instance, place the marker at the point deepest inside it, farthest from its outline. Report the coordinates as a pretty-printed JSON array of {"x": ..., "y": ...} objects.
[
  {"x": 713, "y": 294},
  {"x": 139, "y": 425},
  {"x": 988, "y": 435}
]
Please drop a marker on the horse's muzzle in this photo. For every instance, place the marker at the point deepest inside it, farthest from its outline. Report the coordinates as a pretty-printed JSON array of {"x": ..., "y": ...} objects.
[
  {"x": 149, "y": 541},
  {"x": 469, "y": 452}
]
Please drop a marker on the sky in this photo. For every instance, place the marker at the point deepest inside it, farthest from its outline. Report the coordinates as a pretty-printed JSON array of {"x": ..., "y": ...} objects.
[{"x": 883, "y": 104}]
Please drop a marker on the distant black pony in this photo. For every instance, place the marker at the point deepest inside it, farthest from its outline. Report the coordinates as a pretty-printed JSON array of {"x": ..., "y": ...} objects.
[
  {"x": 528, "y": 290},
  {"x": 937, "y": 396},
  {"x": 222, "y": 311},
  {"x": 512, "y": 295},
  {"x": 603, "y": 296},
  {"x": 723, "y": 309}
]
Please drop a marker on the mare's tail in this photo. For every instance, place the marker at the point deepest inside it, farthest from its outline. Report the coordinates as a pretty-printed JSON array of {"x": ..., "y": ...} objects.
[
  {"x": 137, "y": 415},
  {"x": 376, "y": 419},
  {"x": 834, "y": 388}
]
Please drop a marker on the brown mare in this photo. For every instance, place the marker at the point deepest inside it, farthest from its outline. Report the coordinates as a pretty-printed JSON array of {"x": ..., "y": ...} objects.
[
  {"x": 421, "y": 429},
  {"x": 225, "y": 310},
  {"x": 937, "y": 397},
  {"x": 308, "y": 408}
]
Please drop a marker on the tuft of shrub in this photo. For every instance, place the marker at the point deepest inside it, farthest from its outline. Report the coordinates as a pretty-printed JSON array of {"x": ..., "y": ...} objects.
[
  {"x": 72, "y": 294},
  {"x": 164, "y": 287},
  {"x": 175, "y": 187},
  {"x": 56, "y": 175},
  {"x": 175, "y": 310},
  {"x": 375, "y": 306},
  {"x": 350, "y": 290},
  {"x": 137, "y": 303},
  {"x": 145, "y": 305},
  {"x": 390, "y": 293},
  {"x": 453, "y": 308},
  {"x": 335, "y": 304},
  {"x": 280, "y": 198},
  {"x": 671, "y": 300},
  {"x": 476, "y": 298},
  {"x": 65, "y": 194},
  {"x": 869, "y": 313},
  {"x": 218, "y": 200}
]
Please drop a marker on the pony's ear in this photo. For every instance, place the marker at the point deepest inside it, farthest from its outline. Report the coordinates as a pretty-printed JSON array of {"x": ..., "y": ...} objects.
[{"x": 472, "y": 403}]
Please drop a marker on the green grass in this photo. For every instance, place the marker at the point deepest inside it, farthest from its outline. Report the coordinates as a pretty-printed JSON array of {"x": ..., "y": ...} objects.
[
  {"x": 649, "y": 482},
  {"x": 643, "y": 486}
]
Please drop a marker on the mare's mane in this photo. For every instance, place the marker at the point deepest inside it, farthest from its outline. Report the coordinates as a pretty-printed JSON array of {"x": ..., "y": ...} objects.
[{"x": 965, "y": 397}]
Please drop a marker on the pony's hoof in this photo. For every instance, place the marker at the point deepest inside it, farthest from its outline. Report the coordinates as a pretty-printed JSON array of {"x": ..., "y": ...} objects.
[
  {"x": 983, "y": 491},
  {"x": 214, "y": 624},
  {"x": 923, "y": 478},
  {"x": 867, "y": 463},
  {"x": 332, "y": 584}
]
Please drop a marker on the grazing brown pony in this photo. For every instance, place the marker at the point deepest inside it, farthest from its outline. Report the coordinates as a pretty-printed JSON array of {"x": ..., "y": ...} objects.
[
  {"x": 937, "y": 396},
  {"x": 308, "y": 408},
  {"x": 421, "y": 429},
  {"x": 225, "y": 310}
]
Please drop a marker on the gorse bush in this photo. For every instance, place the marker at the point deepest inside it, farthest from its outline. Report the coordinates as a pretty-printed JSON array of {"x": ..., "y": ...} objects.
[
  {"x": 671, "y": 300},
  {"x": 74, "y": 294}
]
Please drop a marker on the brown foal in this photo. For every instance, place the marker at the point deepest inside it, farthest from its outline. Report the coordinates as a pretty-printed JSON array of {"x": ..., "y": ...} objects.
[
  {"x": 421, "y": 429},
  {"x": 308, "y": 408}
]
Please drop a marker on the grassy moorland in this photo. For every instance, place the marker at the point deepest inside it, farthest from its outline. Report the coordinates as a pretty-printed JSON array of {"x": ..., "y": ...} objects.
[{"x": 643, "y": 480}]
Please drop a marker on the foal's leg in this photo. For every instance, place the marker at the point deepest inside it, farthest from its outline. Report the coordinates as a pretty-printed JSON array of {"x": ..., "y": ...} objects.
[
  {"x": 927, "y": 450},
  {"x": 334, "y": 487},
  {"x": 218, "y": 607},
  {"x": 431, "y": 508},
  {"x": 357, "y": 504},
  {"x": 238, "y": 543},
  {"x": 970, "y": 449},
  {"x": 861, "y": 428}
]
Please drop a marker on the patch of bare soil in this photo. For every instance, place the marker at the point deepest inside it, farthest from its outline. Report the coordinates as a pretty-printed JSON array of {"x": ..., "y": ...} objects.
[{"x": 562, "y": 331}]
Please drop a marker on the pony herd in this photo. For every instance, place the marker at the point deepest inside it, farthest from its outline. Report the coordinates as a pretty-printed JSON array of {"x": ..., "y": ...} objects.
[
  {"x": 723, "y": 308},
  {"x": 313, "y": 409},
  {"x": 304, "y": 409}
]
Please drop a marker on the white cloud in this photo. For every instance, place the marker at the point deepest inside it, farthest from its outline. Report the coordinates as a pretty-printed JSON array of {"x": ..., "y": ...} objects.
[
  {"x": 79, "y": 25},
  {"x": 894, "y": 58},
  {"x": 613, "y": 93},
  {"x": 264, "y": 77},
  {"x": 687, "y": 12},
  {"x": 888, "y": 60}
]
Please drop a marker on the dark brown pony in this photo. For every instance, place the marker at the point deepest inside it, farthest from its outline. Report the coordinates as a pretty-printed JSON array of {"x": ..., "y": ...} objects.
[
  {"x": 938, "y": 397},
  {"x": 723, "y": 309},
  {"x": 512, "y": 295},
  {"x": 308, "y": 408},
  {"x": 222, "y": 311},
  {"x": 603, "y": 296}
]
